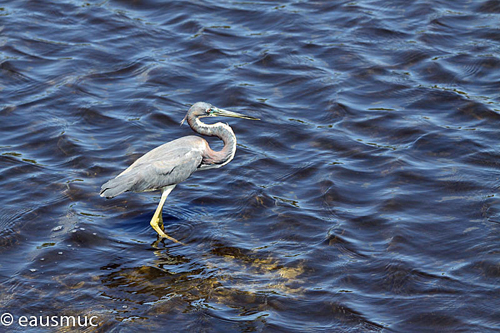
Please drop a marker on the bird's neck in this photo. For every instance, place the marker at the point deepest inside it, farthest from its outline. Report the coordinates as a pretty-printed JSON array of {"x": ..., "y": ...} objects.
[{"x": 213, "y": 158}]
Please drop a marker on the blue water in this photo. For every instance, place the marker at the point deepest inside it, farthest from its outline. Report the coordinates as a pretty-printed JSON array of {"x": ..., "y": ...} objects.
[{"x": 366, "y": 199}]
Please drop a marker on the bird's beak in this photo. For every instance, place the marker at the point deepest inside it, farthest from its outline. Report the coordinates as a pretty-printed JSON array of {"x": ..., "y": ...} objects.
[{"x": 225, "y": 113}]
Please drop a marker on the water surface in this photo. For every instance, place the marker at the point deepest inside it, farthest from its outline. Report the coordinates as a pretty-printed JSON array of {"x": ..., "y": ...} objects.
[{"x": 366, "y": 199}]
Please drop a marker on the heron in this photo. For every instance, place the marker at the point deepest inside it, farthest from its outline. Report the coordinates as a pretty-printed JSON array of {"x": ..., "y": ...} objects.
[{"x": 165, "y": 166}]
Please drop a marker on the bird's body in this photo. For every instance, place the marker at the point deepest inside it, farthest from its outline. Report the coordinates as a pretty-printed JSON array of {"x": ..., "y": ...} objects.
[
  {"x": 173, "y": 162},
  {"x": 159, "y": 167}
]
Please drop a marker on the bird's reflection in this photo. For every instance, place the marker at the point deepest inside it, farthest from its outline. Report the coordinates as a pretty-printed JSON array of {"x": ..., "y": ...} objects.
[{"x": 222, "y": 279}]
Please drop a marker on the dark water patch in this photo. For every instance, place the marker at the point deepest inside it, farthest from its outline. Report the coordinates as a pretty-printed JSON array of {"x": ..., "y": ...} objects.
[{"x": 489, "y": 7}]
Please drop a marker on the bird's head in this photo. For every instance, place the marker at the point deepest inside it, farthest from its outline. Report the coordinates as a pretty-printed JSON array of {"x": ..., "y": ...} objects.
[{"x": 202, "y": 109}]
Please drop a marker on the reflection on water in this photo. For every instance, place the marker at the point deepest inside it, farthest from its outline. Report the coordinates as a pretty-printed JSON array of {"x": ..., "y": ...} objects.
[{"x": 365, "y": 200}]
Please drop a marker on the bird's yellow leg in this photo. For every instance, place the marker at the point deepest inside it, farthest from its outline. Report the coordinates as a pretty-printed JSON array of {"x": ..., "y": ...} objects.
[
  {"x": 157, "y": 219},
  {"x": 160, "y": 222}
]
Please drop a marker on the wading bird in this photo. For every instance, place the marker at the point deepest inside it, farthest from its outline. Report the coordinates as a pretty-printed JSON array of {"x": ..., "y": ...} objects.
[{"x": 173, "y": 162}]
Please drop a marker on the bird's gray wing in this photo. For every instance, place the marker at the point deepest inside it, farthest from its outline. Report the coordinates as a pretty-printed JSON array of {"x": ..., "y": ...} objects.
[
  {"x": 163, "y": 172},
  {"x": 165, "y": 165}
]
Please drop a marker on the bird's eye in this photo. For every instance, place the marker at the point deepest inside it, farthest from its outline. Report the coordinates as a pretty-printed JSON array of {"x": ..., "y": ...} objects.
[{"x": 209, "y": 110}]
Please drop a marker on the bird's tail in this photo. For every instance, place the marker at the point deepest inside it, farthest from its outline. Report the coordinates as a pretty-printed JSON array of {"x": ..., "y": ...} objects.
[{"x": 117, "y": 186}]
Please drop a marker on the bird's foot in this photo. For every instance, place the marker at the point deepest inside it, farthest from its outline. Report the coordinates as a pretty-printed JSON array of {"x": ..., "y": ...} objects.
[
  {"x": 155, "y": 223},
  {"x": 164, "y": 235}
]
